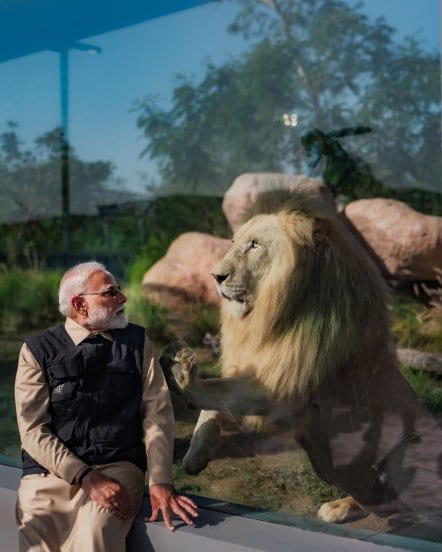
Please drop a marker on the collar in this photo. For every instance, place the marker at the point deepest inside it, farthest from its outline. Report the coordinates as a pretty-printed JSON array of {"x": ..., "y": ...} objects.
[{"x": 79, "y": 333}]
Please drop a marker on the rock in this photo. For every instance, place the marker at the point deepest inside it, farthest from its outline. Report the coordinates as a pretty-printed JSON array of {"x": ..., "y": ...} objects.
[
  {"x": 408, "y": 244},
  {"x": 418, "y": 360},
  {"x": 183, "y": 274},
  {"x": 242, "y": 193}
]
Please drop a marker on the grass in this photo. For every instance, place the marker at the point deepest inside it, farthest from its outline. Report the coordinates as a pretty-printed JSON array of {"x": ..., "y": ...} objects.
[
  {"x": 426, "y": 388},
  {"x": 28, "y": 299},
  {"x": 412, "y": 329},
  {"x": 9, "y": 438},
  {"x": 152, "y": 317}
]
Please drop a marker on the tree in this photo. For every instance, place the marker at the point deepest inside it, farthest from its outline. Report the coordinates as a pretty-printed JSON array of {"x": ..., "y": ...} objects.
[
  {"x": 323, "y": 61},
  {"x": 30, "y": 180}
]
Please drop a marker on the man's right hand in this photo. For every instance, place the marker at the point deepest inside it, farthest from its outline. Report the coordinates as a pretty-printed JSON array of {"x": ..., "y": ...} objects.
[{"x": 108, "y": 493}]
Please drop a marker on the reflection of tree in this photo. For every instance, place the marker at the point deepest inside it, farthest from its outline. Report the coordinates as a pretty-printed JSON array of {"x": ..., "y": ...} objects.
[
  {"x": 30, "y": 179},
  {"x": 326, "y": 62},
  {"x": 345, "y": 174}
]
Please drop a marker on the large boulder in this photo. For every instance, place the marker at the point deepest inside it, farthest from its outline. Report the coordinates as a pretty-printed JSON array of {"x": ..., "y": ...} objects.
[
  {"x": 408, "y": 244},
  {"x": 242, "y": 193},
  {"x": 183, "y": 274}
]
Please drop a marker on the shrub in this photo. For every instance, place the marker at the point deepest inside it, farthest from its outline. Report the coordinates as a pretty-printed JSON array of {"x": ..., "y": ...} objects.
[
  {"x": 152, "y": 317},
  {"x": 426, "y": 387},
  {"x": 411, "y": 328},
  {"x": 28, "y": 299}
]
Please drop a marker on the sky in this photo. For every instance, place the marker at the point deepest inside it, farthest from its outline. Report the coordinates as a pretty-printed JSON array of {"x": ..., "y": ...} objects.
[{"x": 142, "y": 60}]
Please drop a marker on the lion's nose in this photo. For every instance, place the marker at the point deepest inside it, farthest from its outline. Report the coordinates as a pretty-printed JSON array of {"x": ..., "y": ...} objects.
[{"x": 220, "y": 277}]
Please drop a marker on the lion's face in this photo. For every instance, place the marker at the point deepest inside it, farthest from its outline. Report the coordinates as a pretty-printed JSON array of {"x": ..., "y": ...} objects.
[{"x": 256, "y": 247}]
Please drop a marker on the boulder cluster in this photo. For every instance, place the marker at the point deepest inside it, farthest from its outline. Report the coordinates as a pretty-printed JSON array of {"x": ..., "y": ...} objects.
[{"x": 407, "y": 245}]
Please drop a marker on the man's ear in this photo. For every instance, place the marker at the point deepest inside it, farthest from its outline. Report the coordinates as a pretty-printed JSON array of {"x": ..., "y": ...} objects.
[{"x": 78, "y": 304}]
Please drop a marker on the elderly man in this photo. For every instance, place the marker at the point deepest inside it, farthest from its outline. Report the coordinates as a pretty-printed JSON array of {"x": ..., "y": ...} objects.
[{"x": 92, "y": 404}]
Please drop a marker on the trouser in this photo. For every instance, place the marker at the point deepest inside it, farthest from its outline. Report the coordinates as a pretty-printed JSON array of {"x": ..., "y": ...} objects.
[{"x": 54, "y": 516}]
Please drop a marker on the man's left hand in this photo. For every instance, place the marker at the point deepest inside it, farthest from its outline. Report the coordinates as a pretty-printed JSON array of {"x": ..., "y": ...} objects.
[{"x": 164, "y": 498}]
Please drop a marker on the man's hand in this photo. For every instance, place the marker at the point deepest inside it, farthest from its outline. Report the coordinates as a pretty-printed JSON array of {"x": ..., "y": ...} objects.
[
  {"x": 108, "y": 493},
  {"x": 164, "y": 498}
]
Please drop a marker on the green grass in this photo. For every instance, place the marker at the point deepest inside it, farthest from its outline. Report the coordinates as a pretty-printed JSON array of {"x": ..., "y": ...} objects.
[
  {"x": 28, "y": 299},
  {"x": 426, "y": 388},
  {"x": 410, "y": 327},
  {"x": 152, "y": 317},
  {"x": 9, "y": 438}
]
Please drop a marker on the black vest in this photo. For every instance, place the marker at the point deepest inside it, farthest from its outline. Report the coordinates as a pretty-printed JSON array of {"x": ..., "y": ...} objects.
[{"x": 95, "y": 393}]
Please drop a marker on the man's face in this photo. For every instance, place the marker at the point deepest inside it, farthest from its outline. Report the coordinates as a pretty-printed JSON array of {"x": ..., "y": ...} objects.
[{"x": 104, "y": 303}]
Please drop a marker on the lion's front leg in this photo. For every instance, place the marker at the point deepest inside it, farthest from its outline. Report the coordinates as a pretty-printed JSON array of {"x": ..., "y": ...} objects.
[
  {"x": 205, "y": 440},
  {"x": 240, "y": 396}
]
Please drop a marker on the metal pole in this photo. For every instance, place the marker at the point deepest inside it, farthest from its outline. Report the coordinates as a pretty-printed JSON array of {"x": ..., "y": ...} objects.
[{"x": 65, "y": 184}]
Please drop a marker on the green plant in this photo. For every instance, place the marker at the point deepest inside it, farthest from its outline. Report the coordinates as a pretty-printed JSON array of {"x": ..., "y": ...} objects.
[
  {"x": 414, "y": 325},
  {"x": 203, "y": 319},
  {"x": 9, "y": 437},
  {"x": 426, "y": 387},
  {"x": 152, "y": 317},
  {"x": 28, "y": 299}
]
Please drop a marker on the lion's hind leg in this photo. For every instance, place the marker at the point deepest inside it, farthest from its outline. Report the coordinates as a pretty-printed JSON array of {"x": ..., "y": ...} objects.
[{"x": 338, "y": 511}]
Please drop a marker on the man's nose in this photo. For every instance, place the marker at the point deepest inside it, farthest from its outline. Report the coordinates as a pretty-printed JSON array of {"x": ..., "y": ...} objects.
[{"x": 121, "y": 298}]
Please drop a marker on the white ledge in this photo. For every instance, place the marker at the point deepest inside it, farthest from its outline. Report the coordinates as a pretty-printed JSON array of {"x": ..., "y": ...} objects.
[{"x": 220, "y": 531}]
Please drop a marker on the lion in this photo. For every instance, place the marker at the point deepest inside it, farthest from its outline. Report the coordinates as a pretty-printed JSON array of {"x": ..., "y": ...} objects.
[{"x": 306, "y": 341}]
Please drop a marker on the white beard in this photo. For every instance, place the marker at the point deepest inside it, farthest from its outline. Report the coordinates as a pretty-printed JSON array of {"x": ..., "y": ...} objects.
[{"x": 102, "y": 319}]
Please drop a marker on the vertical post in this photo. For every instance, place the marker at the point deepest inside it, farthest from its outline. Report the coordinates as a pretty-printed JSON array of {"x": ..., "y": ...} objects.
[{"x": 64, "y": 146}]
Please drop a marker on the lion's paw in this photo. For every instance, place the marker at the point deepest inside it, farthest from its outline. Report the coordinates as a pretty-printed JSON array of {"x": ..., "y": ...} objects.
[
  {"x": 183, "y": 368},
  {"x": 337, "y": 511},
  {"x": 179, "y": 365},
  {"x": 193, "y": 464}
]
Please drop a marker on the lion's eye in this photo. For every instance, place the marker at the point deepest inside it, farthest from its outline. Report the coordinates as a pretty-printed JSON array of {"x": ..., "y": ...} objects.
[{"x": 254, "y": 244}]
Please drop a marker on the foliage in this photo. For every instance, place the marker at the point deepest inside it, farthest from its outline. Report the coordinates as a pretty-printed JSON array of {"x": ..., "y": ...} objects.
[
  {"x": 28, "y": 299},
  {"x": 426, "y": 388},
  {"x": 9, "y": 438},
  {"x": 322, "y": 60},
  {"x": 152, "y": 317},
  {"x": 410, "y": 326},
  {"x": 204, "y": 319},
  {"x": 169, "y": 217},
  {"x": 345, "y": 174},
  {"x": 30, "y": 180},
  {"x": 434, "y": 296}
]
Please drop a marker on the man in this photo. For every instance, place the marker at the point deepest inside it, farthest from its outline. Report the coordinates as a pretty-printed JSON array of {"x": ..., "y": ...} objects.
[{"x": 91, "y": 404}]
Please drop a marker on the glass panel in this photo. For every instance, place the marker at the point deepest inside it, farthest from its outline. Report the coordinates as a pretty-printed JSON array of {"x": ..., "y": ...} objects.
[{"x": 119, "y": 143}]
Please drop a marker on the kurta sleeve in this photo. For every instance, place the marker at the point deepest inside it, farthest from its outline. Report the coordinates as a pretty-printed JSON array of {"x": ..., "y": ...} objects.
[
  {"x": 34, "y": 421},
  {"x": 157, "y": 419}
]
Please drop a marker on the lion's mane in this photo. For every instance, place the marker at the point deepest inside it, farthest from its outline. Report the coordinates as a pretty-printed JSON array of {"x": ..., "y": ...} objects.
[{"x": 320, "y": 308}]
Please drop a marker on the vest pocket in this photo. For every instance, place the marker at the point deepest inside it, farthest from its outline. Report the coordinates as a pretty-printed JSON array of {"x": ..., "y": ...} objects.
[{"x": 64, "y": 376}]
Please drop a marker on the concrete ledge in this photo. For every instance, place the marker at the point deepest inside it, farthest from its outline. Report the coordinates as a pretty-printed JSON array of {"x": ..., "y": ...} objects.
[{"x": 219, "y": 528}]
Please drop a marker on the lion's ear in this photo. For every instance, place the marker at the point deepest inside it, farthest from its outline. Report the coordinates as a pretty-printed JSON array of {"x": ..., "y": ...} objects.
[{"x": 320, "y": 231}]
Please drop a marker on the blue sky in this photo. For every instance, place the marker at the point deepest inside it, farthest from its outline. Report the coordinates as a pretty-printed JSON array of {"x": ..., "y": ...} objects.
[{"x": 144, "y": 60}]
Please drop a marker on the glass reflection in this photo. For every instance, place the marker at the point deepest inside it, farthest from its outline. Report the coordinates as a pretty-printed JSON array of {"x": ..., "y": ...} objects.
[{"x": 115, "y": 156}]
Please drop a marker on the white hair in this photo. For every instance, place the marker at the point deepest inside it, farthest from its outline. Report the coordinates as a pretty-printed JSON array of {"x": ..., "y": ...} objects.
[{"x": 74, "y": 282}]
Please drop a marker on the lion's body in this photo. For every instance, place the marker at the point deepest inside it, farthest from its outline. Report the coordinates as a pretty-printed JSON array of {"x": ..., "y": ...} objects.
[{"x": 305, "y": 328}]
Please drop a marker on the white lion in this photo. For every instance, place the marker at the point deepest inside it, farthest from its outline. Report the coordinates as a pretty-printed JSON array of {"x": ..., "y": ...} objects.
[{"x": 305, "y": 338}]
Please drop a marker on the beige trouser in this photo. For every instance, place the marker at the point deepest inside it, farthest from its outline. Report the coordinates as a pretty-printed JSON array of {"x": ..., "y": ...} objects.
[{"x": 54, "y": 516}]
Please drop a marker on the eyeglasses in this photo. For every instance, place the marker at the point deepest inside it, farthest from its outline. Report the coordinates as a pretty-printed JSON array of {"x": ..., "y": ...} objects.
[{"x": 111, "y": 292}]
